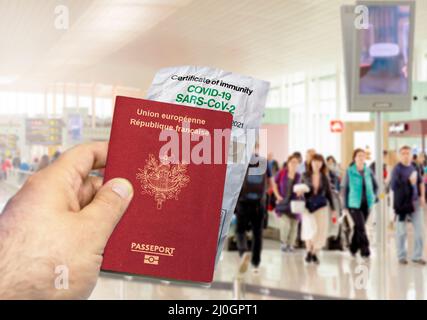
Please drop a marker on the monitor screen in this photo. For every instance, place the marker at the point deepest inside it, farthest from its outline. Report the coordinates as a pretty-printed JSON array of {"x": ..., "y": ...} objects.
[{"x": 385, "y": 49}]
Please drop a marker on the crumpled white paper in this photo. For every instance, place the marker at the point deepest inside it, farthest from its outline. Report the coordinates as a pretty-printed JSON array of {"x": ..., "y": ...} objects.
[{"x": 247, "y": 98}]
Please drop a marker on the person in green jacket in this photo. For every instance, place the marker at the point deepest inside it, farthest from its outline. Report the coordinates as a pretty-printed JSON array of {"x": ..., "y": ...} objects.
[{"x": 360, "y": 193}]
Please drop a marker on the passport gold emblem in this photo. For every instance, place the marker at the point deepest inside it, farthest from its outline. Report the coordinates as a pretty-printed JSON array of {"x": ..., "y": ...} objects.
[
  {"x": 149, "y": 259},
  {"x": 162, "y": 180}
]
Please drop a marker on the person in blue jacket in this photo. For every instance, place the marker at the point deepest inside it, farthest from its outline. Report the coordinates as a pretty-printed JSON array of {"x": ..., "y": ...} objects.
[{"x": 409, "y": 201}]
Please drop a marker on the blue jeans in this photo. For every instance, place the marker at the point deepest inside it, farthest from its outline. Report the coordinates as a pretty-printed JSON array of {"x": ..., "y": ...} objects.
[{"x": 417, "y": 219}]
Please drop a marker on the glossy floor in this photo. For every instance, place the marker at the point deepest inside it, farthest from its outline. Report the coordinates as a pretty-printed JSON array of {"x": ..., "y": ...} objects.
[
  {"x": 286, "y": 276},
  {"x": 283, "y": 276}
]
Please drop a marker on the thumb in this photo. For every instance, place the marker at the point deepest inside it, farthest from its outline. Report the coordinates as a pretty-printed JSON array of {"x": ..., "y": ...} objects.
[{"x": 107, "y": 207}]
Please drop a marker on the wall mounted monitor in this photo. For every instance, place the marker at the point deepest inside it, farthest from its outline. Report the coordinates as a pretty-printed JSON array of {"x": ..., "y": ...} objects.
[{"x": 379, "y": 56}]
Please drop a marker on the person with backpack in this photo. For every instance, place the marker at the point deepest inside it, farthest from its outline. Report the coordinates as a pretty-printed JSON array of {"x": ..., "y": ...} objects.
[
  {"x": 360, "y": 194},
  {"x": 409, "y": 201},
  {"x": 315, "y": 220},
  {"x": 250, "y": 209},
  {"x": 283, "y": 190}
]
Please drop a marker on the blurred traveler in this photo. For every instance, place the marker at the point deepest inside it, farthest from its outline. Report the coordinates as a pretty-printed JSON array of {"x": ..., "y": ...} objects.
[
  {"x": 34, "y": 164},
  {"x": 419, "y": 163},
  {"x": 360, "y": 189},
  {"x": 44, "y": 162},
  {"x": 6, "y": 166},
  {"x": 16, "y": 162},
  {"x": 283, "y": 190},
  {"x": 373, "y": 166},
  {"x": 409, "y": 200},
  {"x": 55, "y": 155},
  {"x": 422, "y": 159},
  {"x": 24, "y": 166},
  {"x": 273, "y": 167},
  {"x": 308, "y": 156},
  {"x": 315, "y": 220},
  {"x": 250, "y": 209},
  {"x": 334, "y": 173},
  {"x": 301, "y": 165},
  {"x": 2, "y": 170},
  {"x": 423, "y": 168}
]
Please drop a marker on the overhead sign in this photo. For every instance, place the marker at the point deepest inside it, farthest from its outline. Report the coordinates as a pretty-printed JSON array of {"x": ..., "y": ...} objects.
[
  {"x": 397, "y": 128},
  {"x": 75, "y": 127},
  {"x": 8, "y": 143},
  {"x": 43, "y": 131},
  {"x": 337, "y": 126}
]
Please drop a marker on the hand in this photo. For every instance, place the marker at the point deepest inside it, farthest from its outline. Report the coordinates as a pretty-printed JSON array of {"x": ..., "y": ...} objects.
[
  {"x": 422, "y": 201},
  {"x": 300, "y": 194},
  {"x": 279, "y": 198},
  {"x": 334, "y": 216},
  {"x": 413, "y": 179},
  {"x": 60, "y": 219}
]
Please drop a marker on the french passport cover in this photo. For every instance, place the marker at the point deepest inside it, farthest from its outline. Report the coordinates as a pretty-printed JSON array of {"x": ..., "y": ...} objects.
[{"x": 170, "y": 229}]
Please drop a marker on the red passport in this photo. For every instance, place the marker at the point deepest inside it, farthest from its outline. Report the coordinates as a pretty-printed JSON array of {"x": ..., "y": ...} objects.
[{"x": 170, "y": 229}]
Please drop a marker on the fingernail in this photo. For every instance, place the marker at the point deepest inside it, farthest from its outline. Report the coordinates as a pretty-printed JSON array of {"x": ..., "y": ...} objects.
[{"x": 122, "y": 187}]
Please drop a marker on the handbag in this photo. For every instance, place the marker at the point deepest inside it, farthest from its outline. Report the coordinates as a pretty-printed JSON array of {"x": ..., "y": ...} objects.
[
  {"x": 297, "y": 206},
  {"x": 283, "y": 206},
  {"x": 316, "y": 202}
]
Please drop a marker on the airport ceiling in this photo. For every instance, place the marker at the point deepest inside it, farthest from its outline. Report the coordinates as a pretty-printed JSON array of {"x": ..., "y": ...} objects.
[{"x": 124, "y": 42}]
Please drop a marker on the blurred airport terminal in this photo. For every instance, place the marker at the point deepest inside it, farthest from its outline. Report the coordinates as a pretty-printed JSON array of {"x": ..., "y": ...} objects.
[{"x": 64, "y": 62}]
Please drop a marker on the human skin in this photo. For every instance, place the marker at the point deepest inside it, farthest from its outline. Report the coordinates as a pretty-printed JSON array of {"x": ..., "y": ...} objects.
[{"x": 61, "y": 219}]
